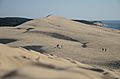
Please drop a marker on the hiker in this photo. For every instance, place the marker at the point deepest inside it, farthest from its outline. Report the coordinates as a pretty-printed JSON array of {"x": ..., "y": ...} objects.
[
  {"x": 84, "y": 45},
  {"x": 102, "y": 49},
  {"x": 105, "y": 49},
  {"x": 58, "y": 45}
]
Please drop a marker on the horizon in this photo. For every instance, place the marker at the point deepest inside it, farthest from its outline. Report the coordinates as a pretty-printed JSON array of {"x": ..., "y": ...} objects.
[
  {"x": 72, "y": 9},
  {"x": 52, "y": 15}
]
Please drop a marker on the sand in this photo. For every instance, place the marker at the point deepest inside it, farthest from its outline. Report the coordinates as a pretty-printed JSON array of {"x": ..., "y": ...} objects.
[
  {"x": 31, "y": 50},
  {"x": 18, "y": 63}
]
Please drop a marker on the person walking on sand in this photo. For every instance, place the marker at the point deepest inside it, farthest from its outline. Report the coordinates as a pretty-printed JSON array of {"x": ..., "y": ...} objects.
[
  {"x": 57, "y": 45},
  {"x": 105, "y": 49},
  {"x": 102, "y": 49},
  {"x": 61, "y": 46}
]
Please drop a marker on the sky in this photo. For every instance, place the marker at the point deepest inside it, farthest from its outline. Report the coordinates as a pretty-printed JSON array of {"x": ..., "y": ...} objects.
[{"x": 73, "y": 9}]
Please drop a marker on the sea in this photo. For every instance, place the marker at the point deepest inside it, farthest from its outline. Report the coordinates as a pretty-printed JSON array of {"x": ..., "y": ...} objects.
[{"x": 113, "y": 24}]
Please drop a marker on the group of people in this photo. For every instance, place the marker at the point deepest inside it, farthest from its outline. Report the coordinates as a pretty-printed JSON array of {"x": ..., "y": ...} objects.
[
  {"x": 61, "y": 46},
  {"x": 104, "y": 49}
]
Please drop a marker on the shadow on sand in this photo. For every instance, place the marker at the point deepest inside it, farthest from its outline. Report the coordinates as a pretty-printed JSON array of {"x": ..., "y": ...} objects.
[
  {"x": 35, "y": 48},
  {"x": 56, "y": 35},
  {"x": 7, "y": 40}
]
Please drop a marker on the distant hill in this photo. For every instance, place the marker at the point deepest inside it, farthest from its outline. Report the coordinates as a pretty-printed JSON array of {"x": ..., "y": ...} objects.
[
  {"x": 12, "y": 21},
  {"x": 97, "y": 23}
]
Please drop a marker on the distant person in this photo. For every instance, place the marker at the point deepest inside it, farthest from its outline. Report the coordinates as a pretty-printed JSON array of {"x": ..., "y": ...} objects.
[
  {"x": 102, "y": 49},
  {"x": 84, "y": 45},
  {"x": 59, "y": 46},
  {"x": 105, "y": 49}
]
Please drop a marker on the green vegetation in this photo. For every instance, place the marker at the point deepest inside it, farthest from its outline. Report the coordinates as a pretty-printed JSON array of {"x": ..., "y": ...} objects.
[{"x": 12, "y": 21}]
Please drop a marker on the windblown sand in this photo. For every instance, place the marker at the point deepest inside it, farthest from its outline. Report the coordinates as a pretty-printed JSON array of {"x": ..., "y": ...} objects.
[{"x": 60, "y": 41}]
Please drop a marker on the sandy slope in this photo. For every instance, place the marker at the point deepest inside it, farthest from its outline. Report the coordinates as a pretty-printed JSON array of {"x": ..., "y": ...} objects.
[
  {"x": 18, "y": 63},
  {"x": 43, "y": 34}
]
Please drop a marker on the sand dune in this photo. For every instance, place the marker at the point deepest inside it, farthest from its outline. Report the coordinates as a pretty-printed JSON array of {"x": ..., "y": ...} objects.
[
  {"x": 44, "y": 34},
  {"x": 17, "y": 63}
]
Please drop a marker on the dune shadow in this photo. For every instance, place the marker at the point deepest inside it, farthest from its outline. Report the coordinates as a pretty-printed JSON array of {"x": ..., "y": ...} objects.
[
  {"x": 113, "y": 64},
  {"x": 56, "y": 35},
  {"x": 60, "y": 36},
  {"x": 35, "y": 48},
  {"x": 97, "y": 70},
  {"x": 50, "y": 66},
  {"x": 9, "y": 74},
  {"x": 110, "y": 64},
  {"x": 94, "y": 69},
  {"x": 28, "y": 29},
  {"x": 7, "y": 40}
]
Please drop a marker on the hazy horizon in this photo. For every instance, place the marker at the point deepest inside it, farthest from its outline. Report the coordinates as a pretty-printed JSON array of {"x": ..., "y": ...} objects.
[{"x": 73, "y": 9}]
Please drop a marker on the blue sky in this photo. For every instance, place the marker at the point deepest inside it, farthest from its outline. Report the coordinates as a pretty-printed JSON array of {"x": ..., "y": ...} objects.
[{"x": 77, "y": 9}]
